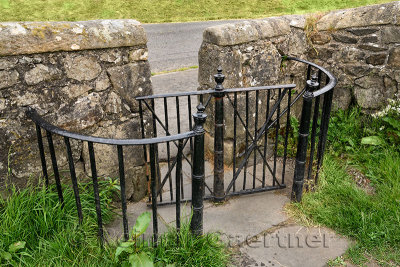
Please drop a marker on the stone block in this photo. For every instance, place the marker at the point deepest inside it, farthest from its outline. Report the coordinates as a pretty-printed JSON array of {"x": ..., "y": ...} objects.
[
  {"x": 348, "y": 55},
  {"x": 357, "y": 70},
  {"x": 82, "y": 68},
  {"x": 79, "y": 115},
  {"x": 342, "y": 97},
  {"x": 369, "y": 39},
  {"x": 372, "y": 47},
  {"x": 245, "y": 32},
  {"x": 138, "y": 55},
  {"x": 394, "y": 57},
  {"x": 131, "y": 80},
  {"x": 362, "y": 31},
  {"x": 344, "y": 39},
  {"x": 297, "y": 43},
  {"x": 22, "y": 155},
  {"x": 42, "y": 73},
  {"x": 102, "y": 82},
  {"x": 365, "y": 16},
  {"x": 8, "y": 78},
  {"x": 75, "y": 90},
  {"x": 111, "y": 56},
  {"x": 371, "y": 91},
  {"x": 21, "y": 38},
  {"x": 377, "y": 59},
  {"x": 391, "y": 35},
  {"x": 7, "y": 63}
]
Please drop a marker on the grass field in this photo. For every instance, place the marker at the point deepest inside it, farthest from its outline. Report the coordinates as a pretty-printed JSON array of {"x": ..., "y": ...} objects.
[{"x": 150, "y": 11}]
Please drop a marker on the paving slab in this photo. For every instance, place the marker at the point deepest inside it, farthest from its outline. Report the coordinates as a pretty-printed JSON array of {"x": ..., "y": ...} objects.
[
  {"x": 294, "y": 245},
  {"x": 245, "y": 216}
]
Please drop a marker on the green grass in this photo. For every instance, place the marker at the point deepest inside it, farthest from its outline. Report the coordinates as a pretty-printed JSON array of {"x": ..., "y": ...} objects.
[
  {"x": 54, "y": 237},
  {"x": 52, "y": 234},
  {"x": 206, "y": 250},
  {"x": 174, "y": 70},
  {"x": 372, "y": 220},
  {"x": 149, "y": 11}
]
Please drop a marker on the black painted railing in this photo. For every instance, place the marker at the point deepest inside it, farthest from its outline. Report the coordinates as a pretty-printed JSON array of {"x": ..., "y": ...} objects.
[
  {"x": 197, "y": 177},
  {"x": 260, "y": 121}
]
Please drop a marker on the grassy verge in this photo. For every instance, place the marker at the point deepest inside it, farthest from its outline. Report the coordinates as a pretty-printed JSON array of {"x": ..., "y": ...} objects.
[
  {"x": 175, "y": 70},
  {"x": 51, "y": 234},
  {"x": 149, "y": 11},
  {"x": 359, "y": 191},
  {"x": 37, "y": 231}
]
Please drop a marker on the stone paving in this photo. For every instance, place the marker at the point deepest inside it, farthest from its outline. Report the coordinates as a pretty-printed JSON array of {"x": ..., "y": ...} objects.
[{"x": 255, "y": 226}]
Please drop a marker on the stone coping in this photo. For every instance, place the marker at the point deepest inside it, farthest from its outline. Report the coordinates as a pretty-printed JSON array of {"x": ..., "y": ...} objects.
[
  {"x": 245, "y": 31},
  {"x": 252, "y": 30},
  {"x": 364, "y": 16},
  {"x": 18, "y": 38}
]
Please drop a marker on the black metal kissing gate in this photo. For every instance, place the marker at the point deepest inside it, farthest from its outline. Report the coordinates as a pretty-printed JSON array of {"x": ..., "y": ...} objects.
[
  {"x": 258, "y": 130},
  {"x": 258, "y": 121}
]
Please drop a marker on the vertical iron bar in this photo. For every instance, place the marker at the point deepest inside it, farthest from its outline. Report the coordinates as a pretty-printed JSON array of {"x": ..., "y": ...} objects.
[
  {"x": 144, "y": 146},
  {"x": 308, "y": 72},
  {"x": 156, "y": 148},
  {"x": 314, "y": 130},
  {"x": 73, "y": 179},
  {"x": 196, "y": 224},
  {"x": 247, "y": 138},
  {"x": 286, "y": 135},
  {"x": 234, "y": 140},
  {"x": 178, "y": 124},
  {"x": 42, "y": 156},
  {"x": 178, "y": 115},
  {"x": 266, "y": 138},
  {"x": 326, "y": 110},
  {"x": 55, "y": 167},
  {"x": 190, "y": 123},
  {"x": 190, "y": 128},
  {"x": 123, "y": 193},
  {"x": 153, "y": 193},
  {"x": 255, "y": 134},
  {"x": 219, "y": 190},
  {"x": 301, "y": 155},
  {"x": 178, "y": 185},
  {"x": 277, "y": 126},
  {"x": 168, "y": 148},
  {"x": 96, "y": 192},
  {"x": 313, "y": 134}
]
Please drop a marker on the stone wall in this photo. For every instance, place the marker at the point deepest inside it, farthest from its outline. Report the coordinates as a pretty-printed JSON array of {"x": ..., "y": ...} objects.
[
  {"x": 360, "y": 46},
  {"x": 81, "y": 76}
]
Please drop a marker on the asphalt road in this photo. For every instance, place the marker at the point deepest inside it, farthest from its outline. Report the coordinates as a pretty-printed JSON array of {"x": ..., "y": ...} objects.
[{"x": 175, "y": 45}]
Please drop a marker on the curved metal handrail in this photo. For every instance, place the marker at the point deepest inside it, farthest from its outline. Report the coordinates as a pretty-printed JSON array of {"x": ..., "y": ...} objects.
[
  {"x": 35, "y": 117},
  {"x": 332, "y": 79}
]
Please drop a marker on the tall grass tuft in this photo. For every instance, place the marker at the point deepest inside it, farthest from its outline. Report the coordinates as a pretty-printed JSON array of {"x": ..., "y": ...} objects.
[
  {"x": 52, "y": 234},
  {"x": 205, "y": 250}
]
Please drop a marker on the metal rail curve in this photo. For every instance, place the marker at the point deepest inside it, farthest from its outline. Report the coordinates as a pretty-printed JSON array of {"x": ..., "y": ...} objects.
[
  {"x": 34, "y": 116},
  {"x": 332, "y": 79}
]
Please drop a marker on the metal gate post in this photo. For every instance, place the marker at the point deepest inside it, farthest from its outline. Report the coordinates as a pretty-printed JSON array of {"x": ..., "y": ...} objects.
[
  {"x": 219, "y": 190},
  {"x": 196, "y": 224},
  {"x": 301, "y": 154}
]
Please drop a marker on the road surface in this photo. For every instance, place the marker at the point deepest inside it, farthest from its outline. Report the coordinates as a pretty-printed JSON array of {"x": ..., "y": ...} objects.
[{"x": 176, "y": 45}]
